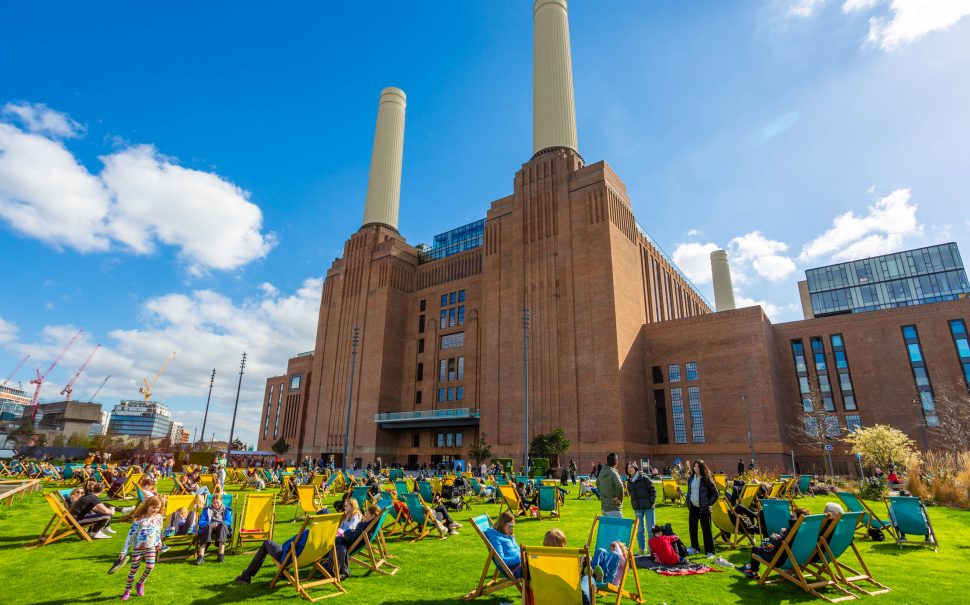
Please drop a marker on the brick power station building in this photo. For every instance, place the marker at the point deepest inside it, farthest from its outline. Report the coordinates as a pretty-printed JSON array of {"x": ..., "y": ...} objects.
[{"x": 624, "y": 354}]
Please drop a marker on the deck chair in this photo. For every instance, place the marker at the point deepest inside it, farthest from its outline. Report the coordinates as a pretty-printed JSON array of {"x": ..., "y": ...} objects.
[
  {"x": 606, "y": 530},
  {"x": 749, "y": 495},
  {"x": 478, "y": 491},
  {"x": 730, "y": 530},
  {"x": 320, "y": 543},
  {"x": 775, "y": 515},
  {"x": 510, "y": 500},
  {"x": 288, "y": 491},
  {"x": 720, "y": 479},
  {"x": 426, "y": 491},
  {"x": 791, "y": 559},
  {"x": 671, "y": 491},
  {"x": 422, "y": 518},
  {"x": 370, "y": 548},
  {"x": 548, "y": 501},
  {"x": 306, "y": 503},
  {"x": 908, "y": 516},
  {"x": 804, "y": 482},
  {"x": 208, "y": 480},
  {"x": 130, "y": 487},
  {"x": 775, "y": 490},
  {"x": 838, "y": 538},
  {"x": 555, "y": 575},
  {"x": 172, "y": 504},
  {"x": 178, "y": 488},
  {"x": 401, "y": 487},
  {"x": 62, "y": 523},
  {"x": 502, "y": 576},
  {"x": 868, "y": 519},
  {"x": 787, "y": 488},
  {"x": 361, "y": 493},
  {"x": 258, "y": 520}
]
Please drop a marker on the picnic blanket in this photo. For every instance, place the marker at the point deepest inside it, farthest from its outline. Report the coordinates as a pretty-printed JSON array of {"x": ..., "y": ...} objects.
[{"x": 687, "y": 569}]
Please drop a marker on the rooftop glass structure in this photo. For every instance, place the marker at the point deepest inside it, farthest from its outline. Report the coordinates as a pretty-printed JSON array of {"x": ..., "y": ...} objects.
[
  {"x": 140, "y": 419},
  {"x": 914, "y": 277},
  {"x": 452, "y": 242}
]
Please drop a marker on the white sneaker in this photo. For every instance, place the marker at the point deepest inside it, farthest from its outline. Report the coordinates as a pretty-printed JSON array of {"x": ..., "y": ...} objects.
[
  {"x": 108, "y": 530},
  {"x": 127, "y": 510},
  {"x": 100, "y": 536},
  {"x": 710, "y": 555}
]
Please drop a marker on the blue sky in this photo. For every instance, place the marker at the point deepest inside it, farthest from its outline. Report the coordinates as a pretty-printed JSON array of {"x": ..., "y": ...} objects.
[{"x": 180, "y": 178}]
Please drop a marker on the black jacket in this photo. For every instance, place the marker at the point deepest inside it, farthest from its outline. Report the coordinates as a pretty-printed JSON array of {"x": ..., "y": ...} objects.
[
  {"x": 708, "y": 492},
  {"x": 643, "y": 494}
]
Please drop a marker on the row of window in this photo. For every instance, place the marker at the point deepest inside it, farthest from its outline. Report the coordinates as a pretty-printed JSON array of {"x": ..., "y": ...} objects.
[
  {"x": 823, "y": 373},
  {"x": 921, "y": 377},
  {"x": 451, "y": 393},
  {"x": 453, "y": 298},
  {"x": 696, "y": 416},
  {"x": 911, "y": 263},
  {"x": 832, "y": 427},
  {"x": 269, "y": 409},
  {"x": 673, "y": 372},
  {"x": 451, "y": 369},
  {"x": 448, "y": 440},
  {"x": 958, "y": 330}
]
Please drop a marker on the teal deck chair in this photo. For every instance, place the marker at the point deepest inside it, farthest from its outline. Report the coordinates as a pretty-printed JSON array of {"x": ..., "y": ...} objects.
[
  {"x": 424, "y": 489},
  {"x": 401, "y": 487},
  {"x": 867, "y": 519},
  {"x": 501, "y": 480},
  {"x": 908, "y": 517},
  {"x": 361, "y": 493},
  {"x": 385, "y": 500},
  {"x": 836, "y": 541},
  {"x": 792, "y": 558},
  {"x": 606, "y": 530},
  {"x": 395, "y": 474},
  {"x": 501, "y": 577},
  {"x": 775, "y": 515},
  {"x": 227, "y": 500},
  {"x": 421, "y": 518},
  {"x": 372, "y": 548},
  {"x": 548, "y": 501},
  {"x": 804, "y": 482}
]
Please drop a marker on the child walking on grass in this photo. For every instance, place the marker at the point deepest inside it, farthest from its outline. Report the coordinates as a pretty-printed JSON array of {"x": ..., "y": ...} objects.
[{"x": 143, "y": 542}]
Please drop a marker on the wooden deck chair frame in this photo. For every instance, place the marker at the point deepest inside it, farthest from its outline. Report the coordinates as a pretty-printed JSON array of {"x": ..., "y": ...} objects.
[
  {"x": 671, "y": 491},
  {"x": 559, "y": 592},
  {"x": 288, "y": 492},
  {"x": 53, "y": 531},
  {"x": 775, "y": 490},
  {"x": 835, "y": 542},
  {"x": 256, "y": 505},
  {"x": 502, "y": 576},
  {"x": 420, "y": 529},
  {"x": 868, "y": 519},
  {"x": 592, "y": 543},
  {"x": 171, "y": 504},
  {"x": 543, "y": 502},
  {"x": 178, "y": 488},
  {"x": 289, "y": 567},
  {"x": 898, "y": 533},
  {"x": 370, "y": 548},
  {"x": 511, "y": 502},
  {"x": 798, "y": 573},
  {"x": 730, "y": 532}
]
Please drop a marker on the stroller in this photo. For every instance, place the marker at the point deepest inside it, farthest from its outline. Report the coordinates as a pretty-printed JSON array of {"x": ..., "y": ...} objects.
[{"x": 456, "y": 493}]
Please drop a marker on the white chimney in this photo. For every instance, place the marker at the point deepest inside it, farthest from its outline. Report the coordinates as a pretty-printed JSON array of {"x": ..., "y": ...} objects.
[
  {"x": 384, "y": 184},
  {"x": 553, "y": 108},
  {"x": 723, "y": 290}
]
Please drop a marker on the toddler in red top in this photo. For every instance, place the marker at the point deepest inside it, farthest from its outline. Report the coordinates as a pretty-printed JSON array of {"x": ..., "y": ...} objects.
[{"x": 663, "y": 548}]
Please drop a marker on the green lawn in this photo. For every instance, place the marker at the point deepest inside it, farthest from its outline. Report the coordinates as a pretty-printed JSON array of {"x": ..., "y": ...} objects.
[{"x": 436, "y": 571}]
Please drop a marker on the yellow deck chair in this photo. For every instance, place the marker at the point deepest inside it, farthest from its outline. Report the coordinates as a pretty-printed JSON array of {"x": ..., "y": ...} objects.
[
  {"x": 320, "y": 543},
  {"x": 208, "y": 480},
  {"x": 172, "y": 504},
  {"x": 502, "y": 576},
  {"x": 306, "y": 502},
  {"x": 61, "y": 525},
  {"x": 130, "y": 488},
  {"x": 749, "y": 495},
  {"x": 671, "y": 491},
  {"x": 730, "y": 531},
  {"x": 775, "y": 490},
  {"x": 604, "y": 532},
  {"x": 721, "y": 480},
  {"x": 554, "y": 575},
  {"x": 258, "y": 520},
  {"x": 510, "y": 501}
]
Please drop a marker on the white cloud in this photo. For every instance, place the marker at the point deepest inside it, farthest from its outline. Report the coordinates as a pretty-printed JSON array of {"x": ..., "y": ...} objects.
[
  {"x": 805, "y": 8},
  {"x": 905, "y": 21},
  {"x": 774, "y": 128},
  {"x": 207, "y": 330},
  {"x": 764, "y": 255},
  {"x": 776, "y": 313},
  {"x": 8, "y": 331},
  {"x": 889, "y": 222},
  {"x": 693, "y": 232},
  {"x": 41, "y": 119},
  {"x": 695, "y": 261},
  {"x": 850, "y": 6},
  {"x": 140, "y": 199}
]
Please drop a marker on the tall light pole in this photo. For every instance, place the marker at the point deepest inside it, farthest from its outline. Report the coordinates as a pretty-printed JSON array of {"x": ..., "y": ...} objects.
[
  {"x": 747, "y": 414},
  {"x": 350, "y": 393},
  {"x": 232, "y": 428},
  {"x": 212, "y": 381},
  {"x": 525, "y": 415}
]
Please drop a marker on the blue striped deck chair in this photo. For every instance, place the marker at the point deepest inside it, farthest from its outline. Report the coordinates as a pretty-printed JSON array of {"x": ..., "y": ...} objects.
[
  {"x": 792, "y": 557},
  {"x": 868, "y": 519},
  {"x": 908, "y": 517},
  {"x": 775, "y": 516},
  {"x": 838, "y": 539},
  {"x": 372, "y": 546},
  {"x": 502, "y": 577},
  {"x": 604, "y": 531}
]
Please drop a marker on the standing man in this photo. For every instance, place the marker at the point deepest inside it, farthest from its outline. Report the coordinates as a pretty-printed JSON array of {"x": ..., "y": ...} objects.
[
  {"x": 221, "y": 465},
  {"x": 643, "y": 495},
  {"x": 740, "y": 467},
  {"x": 610, "y": 488},
  {"x": 573, "y": 469}
]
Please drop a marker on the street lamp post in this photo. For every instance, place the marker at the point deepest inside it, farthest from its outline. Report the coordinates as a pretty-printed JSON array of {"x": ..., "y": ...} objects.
[
  {"x": 350, "y": 393},
  {"x": 525, "y": 415},
  {"x": 747, "y": 414},
  {"x": 232, "y": 428},
  {"x": 212, "y": 381}
]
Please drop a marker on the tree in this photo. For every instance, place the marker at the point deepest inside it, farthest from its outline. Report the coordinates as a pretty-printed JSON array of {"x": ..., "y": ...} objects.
[
  {"x": 549, "y": 445},
  {"x": 238, "y": 445},
  {"x": 22, "y": 435},
  {"x": 281, "y": 446},
  {"x": 58, "y": 440},
  {"x": 814, "y": 427},
  {"x": 953, "y": 413},
  {"x": 882, "y": 445},
  {"x": 482, "y": 450}
]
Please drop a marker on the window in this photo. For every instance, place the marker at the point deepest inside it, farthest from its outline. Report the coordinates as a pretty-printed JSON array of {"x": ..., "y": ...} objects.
[
  {"x": 673, "y": 373},
  {"x": 420, "y": 345},
  {"x": 444, "y": 300},
  {"x": 451, "y": 318},
  {"x": 677, "y": 404},
  {"x": 420, "y": 376},
  {"x": 452, "y": 299},
  {"x": 269, "y": 408},
  {"x": 696, "y": 418},
  {"x": 658, "y": 375},
  {"x": 416, "y": 439},
  {"x": 461, "y": 296},
  {"x": 459, "y": 393},
  {"x": 423, "y": 305},
  {"x": 417, "y": 397},
  {"x": 449, "y": 438},
  {"x": 832, "y": 426},
  {"x": 924, "y": 387},
  {"x": 421, "y": 324},
  {"x": 453, "y": 341},
  {"x": 691, "y": 368},
  {"x": 452, "y": 371},
  {"x": 852, "y": 422},
  {"x": 798, "y": 352},
  {"x": 461, "y": 315},
  {"x": 443, "y": 319},
  {"x": 441, "y": 439},
  {"x": 279, "y": 404},
  {"x": 458, "y": 435},
  {"x": 451, "y": 393},
  {"x": 811, "y": 426},
  {"x": 461, "y": 368},
  {"x": 660, "y": 408},
  {"x": 958, "y": 329},
  {"x": 295, "y": 381},
  {"x": 441, "y": 394},
  {"x": 443, "y": 370}
]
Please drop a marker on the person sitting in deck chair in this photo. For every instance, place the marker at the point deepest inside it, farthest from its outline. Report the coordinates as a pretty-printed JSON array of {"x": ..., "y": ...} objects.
[
  {"x": 501, "y": 537},
  {"x": 611, "y": 565},
  {"x": 181, "y": 523},
  {"x": 90, "y": 508},
  {"x": 768, "y": 546},
  {"x": 557, "y": 539},
  {"x": 117, "y": 483},
  {"x": 215, "y": 525},
  {"x": 347, "y": 539},
  {"x": 588, "y": 490}
]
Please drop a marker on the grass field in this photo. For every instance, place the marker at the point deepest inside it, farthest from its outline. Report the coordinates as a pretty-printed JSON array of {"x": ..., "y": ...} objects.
[{"x": 441, "y": 571}]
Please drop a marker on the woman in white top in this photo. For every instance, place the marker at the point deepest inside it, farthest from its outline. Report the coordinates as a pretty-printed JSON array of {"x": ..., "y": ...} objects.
[{"x": 352, "y": 516}]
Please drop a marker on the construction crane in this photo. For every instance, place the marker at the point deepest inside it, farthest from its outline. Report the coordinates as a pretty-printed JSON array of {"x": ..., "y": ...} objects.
[
  {"x": 103, "y": 382},
  {"x": 15, "y": 370},
  {"x": 147, "y": 389},
  {"x": 39, "y": 381},
  {"x": 66, "y": 391}
]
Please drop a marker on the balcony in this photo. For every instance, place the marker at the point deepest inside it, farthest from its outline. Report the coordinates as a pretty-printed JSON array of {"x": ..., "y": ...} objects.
[{"x": 428, "y": 418}]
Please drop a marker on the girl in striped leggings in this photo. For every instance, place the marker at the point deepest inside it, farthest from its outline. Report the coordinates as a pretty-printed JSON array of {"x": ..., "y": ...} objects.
[{"x": 143, "y": 542}]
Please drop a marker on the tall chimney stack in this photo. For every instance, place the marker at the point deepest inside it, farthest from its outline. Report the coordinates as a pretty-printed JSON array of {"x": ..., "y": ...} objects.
[
  {"x": 553, "y": 108},
  {"x": 723, "y": 290},
  {"x": 384, "y": 184}
]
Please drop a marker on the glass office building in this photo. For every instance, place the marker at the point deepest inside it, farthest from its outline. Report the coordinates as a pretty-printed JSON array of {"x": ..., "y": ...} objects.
[
  {"x": 452, "y": 242},
  {"x": 140, "y": 419},
  {"x": 914, "y": 277}
]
